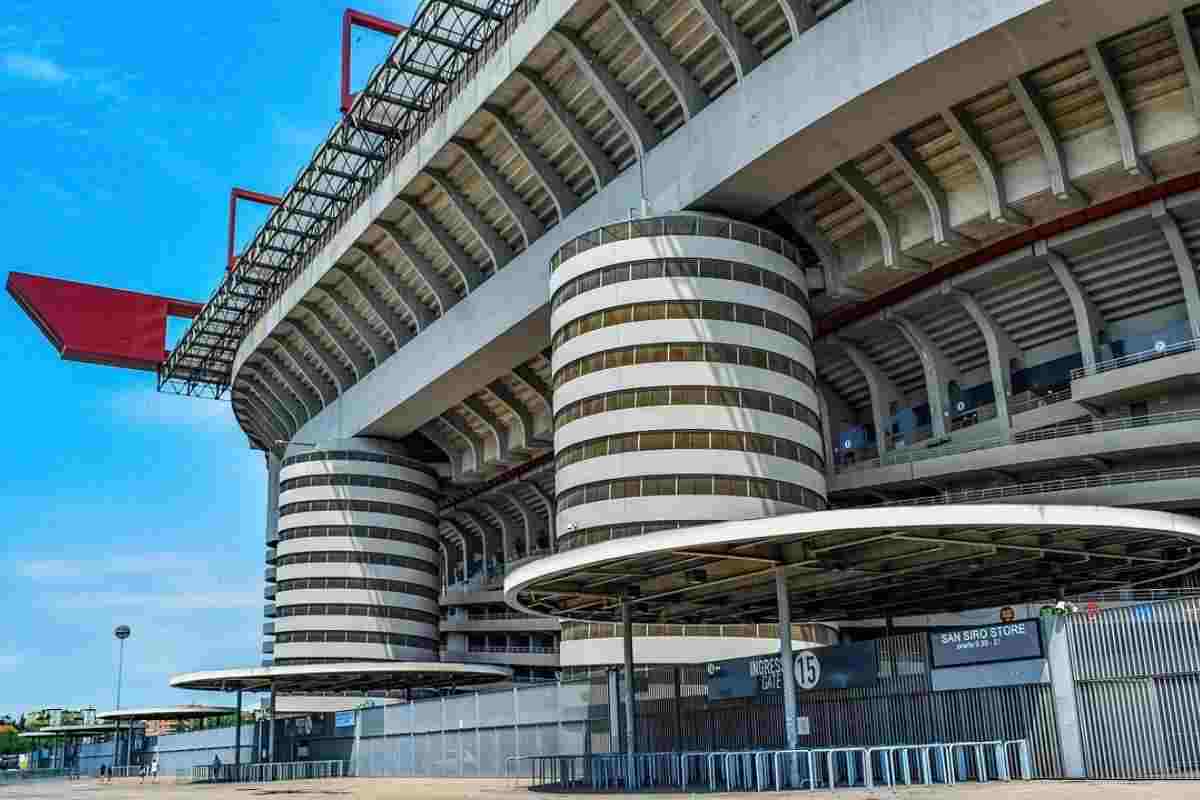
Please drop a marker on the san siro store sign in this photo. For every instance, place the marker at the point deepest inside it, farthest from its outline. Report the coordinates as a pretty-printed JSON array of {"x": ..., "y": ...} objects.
[
  {"x": 838, "y": 667},
  {"x": 1014, "y": 641}
]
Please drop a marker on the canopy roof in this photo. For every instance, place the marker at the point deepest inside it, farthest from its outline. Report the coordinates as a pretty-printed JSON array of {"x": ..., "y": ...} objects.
[
  {"x": 860, "y": 563},
  {"x": 168, "y": 712},
  {"x": 348, "y": 677},
  {"x": 78, "y": 730}
]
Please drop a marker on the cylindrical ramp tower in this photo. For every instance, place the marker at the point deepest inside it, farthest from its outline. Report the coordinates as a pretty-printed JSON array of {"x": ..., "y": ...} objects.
[
  {"x": 683, "y": 378},
  {"x": 356, "y": 559}
]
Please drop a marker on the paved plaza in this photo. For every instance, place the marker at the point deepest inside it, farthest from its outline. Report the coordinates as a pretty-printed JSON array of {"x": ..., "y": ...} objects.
[{"x": 499, "y": 789}]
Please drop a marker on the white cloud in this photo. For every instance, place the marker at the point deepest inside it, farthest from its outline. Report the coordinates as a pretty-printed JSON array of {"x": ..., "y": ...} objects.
[
  {"x": 162, "y": 601},
  {"x": 152, "y": 564},
  {"x": 38, "y": 69}
]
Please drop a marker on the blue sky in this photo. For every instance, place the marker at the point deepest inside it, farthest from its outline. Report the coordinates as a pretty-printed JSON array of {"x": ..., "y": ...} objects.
[{"x": 123, "y": 128}]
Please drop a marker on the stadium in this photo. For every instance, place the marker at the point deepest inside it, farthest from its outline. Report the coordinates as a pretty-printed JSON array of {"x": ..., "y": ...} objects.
[{"x": 606, "y": 348}]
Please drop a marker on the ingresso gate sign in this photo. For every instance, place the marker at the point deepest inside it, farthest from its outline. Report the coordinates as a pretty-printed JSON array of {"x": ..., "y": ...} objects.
[
  {"x": 955, "y": 647},
  {"x": 838, "y": 667}
]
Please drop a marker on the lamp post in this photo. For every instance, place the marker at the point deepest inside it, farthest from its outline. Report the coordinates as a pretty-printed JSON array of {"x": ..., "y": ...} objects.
[{"x": 122, "y": 633}]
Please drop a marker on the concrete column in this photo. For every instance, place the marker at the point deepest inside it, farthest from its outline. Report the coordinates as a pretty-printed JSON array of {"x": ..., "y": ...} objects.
[
  {"x": 614, "y": 712},
  {"x": 630, "y": 731},
  {"x": 1183, "y": 263},
  {"x": 1000, "y": 349},
  {"x": 273, "y": 466},
  {"x": 1062, "y": 683},
  {"x": 786, "y": 660},
  {"x": 273, "y": 728},
  {"x": 939, "y": 372},
  {"x": 1088, "y": 321},
  {"x": 883, "y": 391},
  {"x": 237, "y": 732}
]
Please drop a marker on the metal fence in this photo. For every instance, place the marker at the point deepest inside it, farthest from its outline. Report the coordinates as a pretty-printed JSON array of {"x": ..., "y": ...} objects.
[
  {"x": 266, "y": 773},
  {"x": 471, "y": 735},
  {"x": 517, "y": 730},
  {"x": 1137, "y": 689}
]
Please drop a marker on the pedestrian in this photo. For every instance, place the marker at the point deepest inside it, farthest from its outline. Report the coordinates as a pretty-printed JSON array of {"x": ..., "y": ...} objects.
[
  {"x": 216, "y": 767},
  {"x": 154, "y": 769},
  {"x": 142, "y": 774},
  {"x": 103, "y": 772}
]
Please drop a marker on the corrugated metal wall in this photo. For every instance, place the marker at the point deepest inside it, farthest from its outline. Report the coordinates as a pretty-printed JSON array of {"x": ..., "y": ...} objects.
[{"x": 1137, "y": 689}]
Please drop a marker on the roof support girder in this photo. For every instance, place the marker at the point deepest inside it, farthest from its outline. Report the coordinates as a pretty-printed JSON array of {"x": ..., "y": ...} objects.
[
  {"x": 442, "y": 291},
  {"x": 598, "y": 162},
  {"x": 419, "y": 312},
  {"x": 1102, "y": 72},
  {"x": 641, "y": 131},
  {"x": 887, "y": 225},
  {"x": 563, "y": 196},
  {"x": 1031, "y": 103},
  {"x": 462, "y": 263},
  {"x": 974, "y": 145},
  {"x": 685, "y": 88},
  {"x": 527, "y": 222},
  {"x": 741, "y": 51}
]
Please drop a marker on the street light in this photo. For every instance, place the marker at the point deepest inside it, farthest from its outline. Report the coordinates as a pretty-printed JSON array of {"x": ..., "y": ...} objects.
[{"x": 122, "y": 633}]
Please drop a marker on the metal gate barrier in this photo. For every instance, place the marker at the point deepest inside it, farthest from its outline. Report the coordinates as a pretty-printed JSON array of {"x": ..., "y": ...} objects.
[
  {"x": 1137, "y": 680},
  {"x": 776, "y": 770}
]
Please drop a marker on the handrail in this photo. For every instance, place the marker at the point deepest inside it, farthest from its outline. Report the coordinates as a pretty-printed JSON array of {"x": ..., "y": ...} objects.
[
  {"x": 1092, "y": 425},
  {"x": 1056, "y": 485},
  {"x": 1160, "y": 350},
  {"x": 1037, "y": 401}
]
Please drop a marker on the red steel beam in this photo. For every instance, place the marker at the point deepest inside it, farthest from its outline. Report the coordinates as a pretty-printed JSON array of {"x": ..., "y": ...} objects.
[
  {"x": 1108, "y": 208},
  {"x": 236, "y": 194},
  {"x": 98, "y": 324},
  {"x": 357, "y": 19}
]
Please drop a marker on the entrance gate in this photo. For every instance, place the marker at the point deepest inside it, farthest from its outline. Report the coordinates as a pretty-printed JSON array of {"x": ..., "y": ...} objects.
[{"x": 1137, "y": 689}]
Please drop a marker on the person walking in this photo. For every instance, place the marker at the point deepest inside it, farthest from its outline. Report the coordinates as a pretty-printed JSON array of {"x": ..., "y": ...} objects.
[
  {"x": 103, "y": 772},
  {"x": 142, "y": 774},
  {"x": 154, "y": 769}
]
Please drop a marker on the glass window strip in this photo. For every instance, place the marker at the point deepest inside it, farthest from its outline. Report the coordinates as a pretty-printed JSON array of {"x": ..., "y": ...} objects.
[
  {"x": 356, "y": 531},
  {"x": 669, "y": 485},
  {"x": 355, "y": 557},
  {"x": 369, "y": 481},
  {"x": 358, "y": 455},
  {"x": 659, "y": 352},
  {"x": 740, "y": 441},
  {"x": 684, "y": 225},
  {"x": 704, "y": 268},
  {"x": 356, "y": 610},
  {"x": 371, "y": 584},
  {"x": 370, "y": 506},
  {"x": 725, "y": 396},
  {"x": 356, "y": 637},
  {"x": 710, "y": 310}
]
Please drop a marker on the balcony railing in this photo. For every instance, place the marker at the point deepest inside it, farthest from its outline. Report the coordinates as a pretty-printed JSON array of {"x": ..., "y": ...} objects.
[
  {"x": 486, "y": 616},
  {"x": 1057, "y": 432},
  {"x": 1043, "y": 487},
  {"x": 1161, "y": 350},
  {"x": 1027, "y": 401},
  {"x": 801, "y": 631}
]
